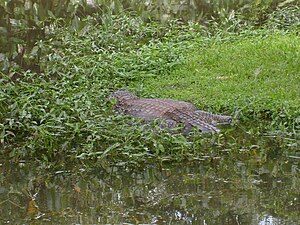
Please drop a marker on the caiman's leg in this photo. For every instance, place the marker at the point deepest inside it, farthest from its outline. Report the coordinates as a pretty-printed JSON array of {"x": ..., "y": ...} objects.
[
  {"x": 171, "y": 123},
  {"x": 168, "y": 124},
  {"x": 187, "y": 128}
]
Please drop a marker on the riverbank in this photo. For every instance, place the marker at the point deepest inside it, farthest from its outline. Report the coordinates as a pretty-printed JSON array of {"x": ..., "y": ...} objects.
[{"x": 61, "y": 113}]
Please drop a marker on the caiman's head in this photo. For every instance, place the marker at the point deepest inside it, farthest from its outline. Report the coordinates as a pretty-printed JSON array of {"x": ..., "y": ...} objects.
[{"x": 122, "y": 96}]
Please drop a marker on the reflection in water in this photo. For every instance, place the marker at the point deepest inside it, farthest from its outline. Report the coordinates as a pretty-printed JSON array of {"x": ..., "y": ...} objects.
[
  {"x": 258, "y": 185},
  {"x": 194, "y": 194}
]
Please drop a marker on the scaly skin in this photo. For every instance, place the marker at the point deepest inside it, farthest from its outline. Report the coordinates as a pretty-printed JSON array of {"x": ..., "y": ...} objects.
[{"x": 171, "y": 110}]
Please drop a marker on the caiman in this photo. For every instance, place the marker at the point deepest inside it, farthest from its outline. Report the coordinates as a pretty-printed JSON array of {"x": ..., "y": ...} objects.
[{"x": 172, "y": 111}]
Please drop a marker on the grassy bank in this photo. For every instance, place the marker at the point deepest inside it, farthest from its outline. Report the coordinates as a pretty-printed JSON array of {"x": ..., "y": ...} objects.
[
  {"x": 254, "y": 76},
  {"x": 61, "y": 115}
]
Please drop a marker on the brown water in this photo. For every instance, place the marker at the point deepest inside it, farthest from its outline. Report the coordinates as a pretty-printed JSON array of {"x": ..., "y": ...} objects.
[{"x": 230, "y": 189}]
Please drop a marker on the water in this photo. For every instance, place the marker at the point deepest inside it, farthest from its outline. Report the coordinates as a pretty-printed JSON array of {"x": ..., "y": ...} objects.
[{"x": 240, "y": 188}]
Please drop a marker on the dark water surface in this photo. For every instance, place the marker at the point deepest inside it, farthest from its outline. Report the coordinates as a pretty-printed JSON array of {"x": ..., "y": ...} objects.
[{"x": 261, "y": 186}]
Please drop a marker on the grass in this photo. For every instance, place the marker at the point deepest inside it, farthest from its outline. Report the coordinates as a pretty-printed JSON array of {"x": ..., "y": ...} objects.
[
  {"x": 62, "y": 113},
  {"x": 256, "y": 77},
  {"x": 61, "y": 116}
]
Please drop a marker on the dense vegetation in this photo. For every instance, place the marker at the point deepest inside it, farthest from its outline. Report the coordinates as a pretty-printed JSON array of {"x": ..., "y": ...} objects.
[
  {"x": 55, "y": 110},
  {"x": 22, "y": 23},
  {"x": 255, "y": 75}
]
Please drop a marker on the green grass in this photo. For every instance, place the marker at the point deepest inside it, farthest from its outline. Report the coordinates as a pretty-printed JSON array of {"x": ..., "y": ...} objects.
[
  {"x": 253, "y": 77},
  {"x": 61, "y": 116}
]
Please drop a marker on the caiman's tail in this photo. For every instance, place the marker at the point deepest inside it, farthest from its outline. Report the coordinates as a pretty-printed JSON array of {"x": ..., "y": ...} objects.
[
  {"x": 191, "y": 119},
  {"x": 213, "y": 118}
]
